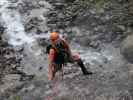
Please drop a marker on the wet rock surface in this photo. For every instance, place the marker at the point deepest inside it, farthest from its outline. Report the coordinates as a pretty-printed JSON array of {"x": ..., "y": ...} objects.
[
  {"x": 94, "y": 33},
  {"x": 107, "y": 21},
  {"x": 126, "y": 48}
]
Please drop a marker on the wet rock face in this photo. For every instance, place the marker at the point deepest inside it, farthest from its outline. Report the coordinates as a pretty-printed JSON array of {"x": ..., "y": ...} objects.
[
  {"x": 110, "y": 80},
  {"x": 33, "y": 15},
  {"x": 127, "y": 48},
  {"x": 1, "y": 31},
  {"x": 9, "y": 59},
  {"x": 106, "y": 20},
  {"x": 35, "y": 25}
]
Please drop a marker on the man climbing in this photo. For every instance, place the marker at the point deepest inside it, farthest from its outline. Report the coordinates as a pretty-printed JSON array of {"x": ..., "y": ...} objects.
[{"x": 59, "y": 53}]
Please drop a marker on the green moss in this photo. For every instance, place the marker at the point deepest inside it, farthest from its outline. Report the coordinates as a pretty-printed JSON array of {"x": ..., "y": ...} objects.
[
  {"x": 84, "y": 3},
  {"x": 99, "y": 4},
  {"x": 16, "y": 98}
]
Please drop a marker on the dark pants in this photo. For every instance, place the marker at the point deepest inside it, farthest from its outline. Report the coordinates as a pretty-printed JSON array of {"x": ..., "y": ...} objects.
[
  {"x": 72, "y": 59},
  {"x": 78, "y": 60}
]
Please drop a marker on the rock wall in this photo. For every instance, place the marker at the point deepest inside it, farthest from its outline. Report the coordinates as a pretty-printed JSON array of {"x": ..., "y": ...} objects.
[
  {"x": 87, "y": 22},
  {"x": 106, "y": 20},
  {"x": 127, "y": 48},
  {"x": 9, "y": 58},
  {"x": 92, "y": 22}
]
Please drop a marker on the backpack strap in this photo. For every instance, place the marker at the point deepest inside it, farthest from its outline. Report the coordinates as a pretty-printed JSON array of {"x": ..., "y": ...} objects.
[
  {"x": 62, "y": 42},
  {"x": 53, "y": 45}
]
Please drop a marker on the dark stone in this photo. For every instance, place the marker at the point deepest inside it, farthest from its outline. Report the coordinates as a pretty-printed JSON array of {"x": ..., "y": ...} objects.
[
  {"x": 59, "y": 5},
  {"x": 127, "y": 48},
  {"x": 85, "y": 41},
  {"x": 69, "y": 1}
]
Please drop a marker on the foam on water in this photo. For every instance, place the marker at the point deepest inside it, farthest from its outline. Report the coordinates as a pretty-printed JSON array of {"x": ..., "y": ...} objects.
[
  {"x": 91, "y": 56},
  {"x": 15, "y": 29}
]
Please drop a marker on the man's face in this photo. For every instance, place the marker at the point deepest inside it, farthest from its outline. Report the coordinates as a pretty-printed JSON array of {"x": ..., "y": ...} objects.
[{"x": 53, "y": 40}]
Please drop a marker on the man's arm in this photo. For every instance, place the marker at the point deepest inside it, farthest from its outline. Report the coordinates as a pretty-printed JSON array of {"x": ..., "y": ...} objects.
[
  {"x": 66, "y": 45},
  {"x": 51, "y": 57}
]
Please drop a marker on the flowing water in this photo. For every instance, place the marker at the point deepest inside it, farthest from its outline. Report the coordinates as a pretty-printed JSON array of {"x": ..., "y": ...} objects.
[
  {"x": 15, "y": 29},
  {"x": 15, "y": 32}
]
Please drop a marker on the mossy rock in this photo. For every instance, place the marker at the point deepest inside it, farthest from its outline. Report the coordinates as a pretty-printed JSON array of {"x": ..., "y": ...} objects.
[
  {"x": 127, "y": 48},
  {"x": 17, "y": 98}
]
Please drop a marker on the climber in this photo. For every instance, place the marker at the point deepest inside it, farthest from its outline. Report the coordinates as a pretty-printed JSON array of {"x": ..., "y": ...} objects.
[{"x": 59, "y": 53}]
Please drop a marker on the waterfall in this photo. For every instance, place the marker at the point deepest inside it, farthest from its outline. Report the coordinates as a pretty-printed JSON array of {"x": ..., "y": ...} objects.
[
  {"x": 16, "y": 36},
  {"x": 15, "y": 29}
]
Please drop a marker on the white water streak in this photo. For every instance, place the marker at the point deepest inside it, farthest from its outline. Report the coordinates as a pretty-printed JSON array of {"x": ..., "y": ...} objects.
[
  {"x": 92, "y": 57},
  {"x": 15, "y": 28}
]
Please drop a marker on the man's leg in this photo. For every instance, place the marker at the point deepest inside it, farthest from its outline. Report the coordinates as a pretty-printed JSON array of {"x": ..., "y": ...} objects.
[
  {"x": 83, "y": 68},
  {"x": 50, "y": 73},
  {"x": 81, "y": 65}
]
